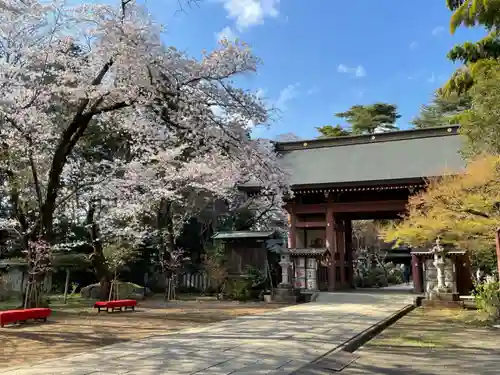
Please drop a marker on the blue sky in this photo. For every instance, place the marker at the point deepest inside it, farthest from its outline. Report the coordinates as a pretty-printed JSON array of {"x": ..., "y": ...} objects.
[{"x": 323, "y": 56}]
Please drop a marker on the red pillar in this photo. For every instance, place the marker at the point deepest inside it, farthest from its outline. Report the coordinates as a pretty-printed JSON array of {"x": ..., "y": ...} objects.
[
  {"x": 331, "y": 244},
  {"x": 340, "y": 236},
  {"x": 464, "y": 279},
  {"x": 292, "y": 230},
  {"x": 349, "y": 254},
  {"x": 417, "y": 275}
]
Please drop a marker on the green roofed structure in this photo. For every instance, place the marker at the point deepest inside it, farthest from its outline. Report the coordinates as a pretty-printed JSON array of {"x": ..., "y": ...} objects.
[
  {"x": 245, "y": 249},
  {"x": 387, "y": 158},
  {"x": 337, "y": 180}
]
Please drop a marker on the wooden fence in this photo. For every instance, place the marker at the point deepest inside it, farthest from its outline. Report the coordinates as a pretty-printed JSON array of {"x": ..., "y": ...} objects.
[{"x": 198, "y": 281}]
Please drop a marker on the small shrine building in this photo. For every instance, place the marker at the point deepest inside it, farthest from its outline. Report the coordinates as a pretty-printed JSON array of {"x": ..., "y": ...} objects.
[{"x": 338, "y": 180}]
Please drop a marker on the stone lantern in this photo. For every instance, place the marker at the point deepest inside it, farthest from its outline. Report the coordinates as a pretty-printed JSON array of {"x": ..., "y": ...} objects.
[{"x": 285, "y": 264}]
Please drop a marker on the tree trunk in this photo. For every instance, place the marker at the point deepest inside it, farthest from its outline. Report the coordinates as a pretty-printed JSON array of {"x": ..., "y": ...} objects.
[
  {"x": 105, "y": 288},
  {"x": 66, "y": 285},
  {"x": 27, "y": 294},
  {"x": 97, "y": 258},
  {"x": 166, "y": 222},
  {"x": 167, "y": 242},
  {"x": 70, "y": 137}
]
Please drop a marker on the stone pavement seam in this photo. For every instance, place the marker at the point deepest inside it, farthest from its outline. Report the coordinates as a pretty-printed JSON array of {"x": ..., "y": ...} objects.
[{"x": 361, "y": 338}]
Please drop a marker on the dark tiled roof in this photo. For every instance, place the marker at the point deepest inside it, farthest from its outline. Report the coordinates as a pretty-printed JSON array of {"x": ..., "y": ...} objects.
[
  {"x": 308, "y": 251},
  {"x": 241, "y": 234},
  {"x": 401, "y": 155},
  {"x": 428, "y": 252}
]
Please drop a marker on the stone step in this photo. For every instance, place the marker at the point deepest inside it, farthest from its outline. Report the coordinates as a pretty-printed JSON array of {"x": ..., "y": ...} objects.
[{"x": 439, "y": 304}]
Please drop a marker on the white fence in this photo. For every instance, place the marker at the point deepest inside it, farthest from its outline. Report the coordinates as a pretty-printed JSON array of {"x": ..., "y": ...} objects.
[{"x": 199, "y": 281}]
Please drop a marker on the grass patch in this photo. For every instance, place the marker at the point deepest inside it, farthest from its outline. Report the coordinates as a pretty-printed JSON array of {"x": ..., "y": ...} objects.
[
  {"x": 9, "y": 304},
  {"x": 73, "y": 304},
  {"x": 434, "y": 329}
]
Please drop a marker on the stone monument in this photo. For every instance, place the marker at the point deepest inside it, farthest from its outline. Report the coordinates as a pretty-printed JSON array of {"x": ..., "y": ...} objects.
[
  {"x": 285, "y": 265},
  {"x": 439, "y": 263},
  {"x": 440, "y": 279},
  {"x": 285, "y": 293}
]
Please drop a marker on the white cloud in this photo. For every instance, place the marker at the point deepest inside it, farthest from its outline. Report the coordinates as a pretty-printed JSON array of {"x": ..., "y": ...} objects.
[
  {"x": 431, "y": 78},
  {"x": 343, "y": 69},
  {"x": 288, "y": 93},
  {"x": 249, "y": 13},
  {"x": 226, "y": 33},
  {"x": 437, "y": 30},
  {"x": 414, "y": 45},
  {"x": 358, "y": 71},
  {"x": 313, "y": 90}
]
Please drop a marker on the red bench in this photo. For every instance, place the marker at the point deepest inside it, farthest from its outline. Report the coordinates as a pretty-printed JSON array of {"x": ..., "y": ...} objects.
[
  {"x": 14, "y": 316},
  {"x": 115, "y": 305}
]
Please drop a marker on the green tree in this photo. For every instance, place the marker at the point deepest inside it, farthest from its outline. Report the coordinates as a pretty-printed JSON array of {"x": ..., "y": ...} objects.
[
  {"x": 470, "y": 13},
  {"x": 442, "y": 111},
  {"x": 364, "y": 119},
  {"x": 479, "y": 77},
  {"x": 328, "y": 131},
  {"x": 481, "y": 123},
  {"x": 368, "y": 119},
  {"x": 474, "y": 12},
  {"x": 463, "y": 210},
  {"x": 470, "y": 54}
]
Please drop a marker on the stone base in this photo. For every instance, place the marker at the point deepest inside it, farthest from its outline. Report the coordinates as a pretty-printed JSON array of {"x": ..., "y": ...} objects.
[
  {"x": 284, "y": 294},
  {"x": 441, "y": 304},
  {"x": 442, "y": 300},
  {"x": 445, "y": 297}
]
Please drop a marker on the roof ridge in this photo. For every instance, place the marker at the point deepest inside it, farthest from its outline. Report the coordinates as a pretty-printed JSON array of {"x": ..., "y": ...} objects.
[{"x": 400, "y": 135}]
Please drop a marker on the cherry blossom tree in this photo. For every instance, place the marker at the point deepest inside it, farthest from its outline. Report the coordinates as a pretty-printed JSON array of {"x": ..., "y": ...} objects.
[
  {"x": 101, "y": 122},
  {"x": 117, "y": 256}
]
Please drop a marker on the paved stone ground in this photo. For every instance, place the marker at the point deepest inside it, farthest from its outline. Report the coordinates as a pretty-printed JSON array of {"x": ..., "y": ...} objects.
[
  {"x": 275, "y": 342},
  {"x": 403, "y": 288}
]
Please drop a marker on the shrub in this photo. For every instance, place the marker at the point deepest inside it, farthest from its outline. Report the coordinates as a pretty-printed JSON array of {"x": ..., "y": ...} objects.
[
  {"x": 256, "y": 277},
  {"x": 239, "y": 289},
  {"x": 487, "y": 299},
  {"x": 394, "y": 274},
  {"x": 376, "y": 277},
  {"x": 214, "y": 265},
  {"x": 371, "y": 278}
]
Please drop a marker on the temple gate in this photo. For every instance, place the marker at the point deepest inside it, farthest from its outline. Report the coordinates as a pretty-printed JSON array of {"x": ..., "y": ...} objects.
[{"x": 338, "y": 180}]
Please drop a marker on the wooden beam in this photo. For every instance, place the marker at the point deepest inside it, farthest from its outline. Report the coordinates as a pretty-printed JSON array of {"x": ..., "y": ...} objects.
[
  {"x": 319, "y": 208},
  {"x": 310, "y": 224},
  {"x": 370, "y": 206}
]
